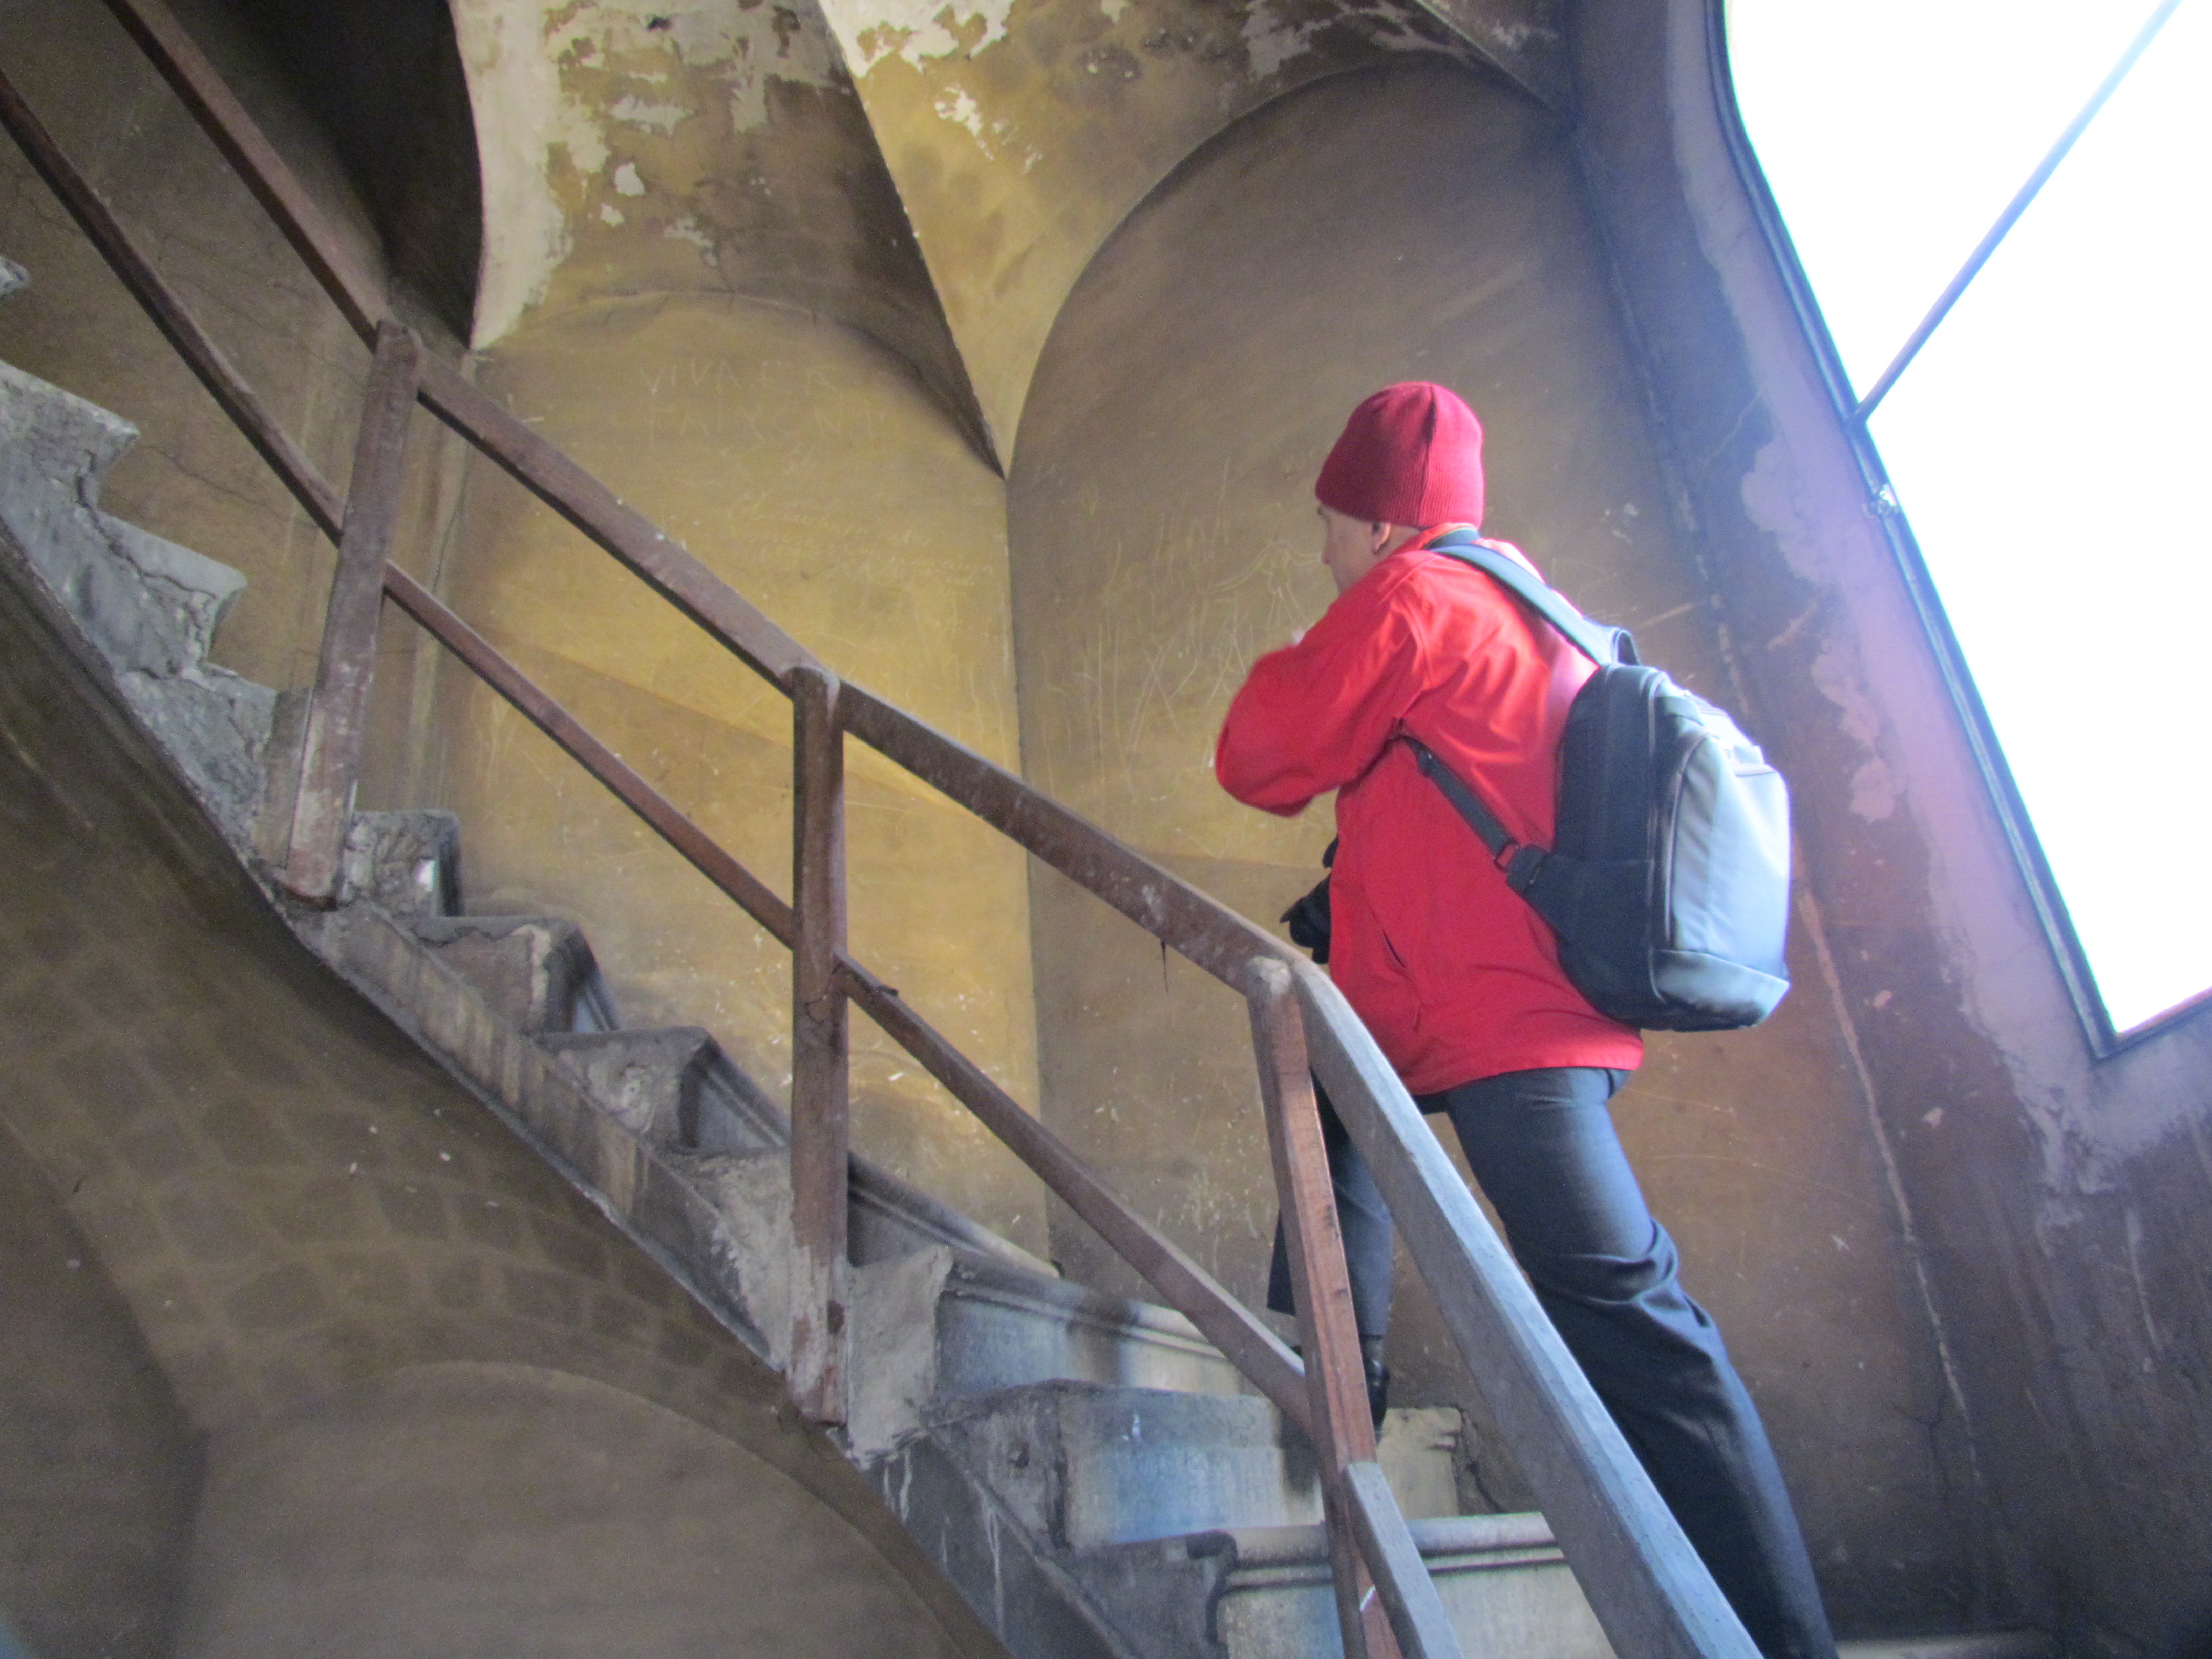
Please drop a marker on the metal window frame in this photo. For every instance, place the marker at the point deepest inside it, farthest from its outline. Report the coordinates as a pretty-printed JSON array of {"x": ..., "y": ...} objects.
[{"x": 2103, "y": 1040}]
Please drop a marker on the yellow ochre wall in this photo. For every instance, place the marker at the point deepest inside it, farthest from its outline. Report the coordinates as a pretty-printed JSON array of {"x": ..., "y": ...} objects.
[{"x": 812, "y": 471}]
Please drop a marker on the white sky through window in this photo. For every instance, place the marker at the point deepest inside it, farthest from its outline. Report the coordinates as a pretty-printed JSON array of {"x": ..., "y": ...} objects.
[{"x": 2051, "y": 445}]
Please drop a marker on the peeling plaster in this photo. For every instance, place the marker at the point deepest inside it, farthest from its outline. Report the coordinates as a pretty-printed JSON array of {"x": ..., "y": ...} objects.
[
  {"x": 548, "y": 129},
  {"x": 1270, "y": 42},
  {"x": 918, "y": 31},
  {"x": 635, "y": 113}
]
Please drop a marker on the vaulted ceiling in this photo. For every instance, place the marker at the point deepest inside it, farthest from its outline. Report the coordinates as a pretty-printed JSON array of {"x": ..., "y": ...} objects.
[{"x": 937, "y": 176}]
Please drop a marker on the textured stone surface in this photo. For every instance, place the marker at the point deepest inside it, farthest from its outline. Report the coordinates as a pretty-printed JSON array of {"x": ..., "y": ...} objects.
[
  {"x": 98, "y": 1468},
  {"x": 149, "y": 607},
  {"x": 501, "y": 1510},
  {"x": 288, "y": 1198}
]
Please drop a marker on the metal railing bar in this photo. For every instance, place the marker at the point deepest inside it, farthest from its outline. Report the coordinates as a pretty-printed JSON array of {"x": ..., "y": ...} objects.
[
  {"x": 821, "y": 1051},
  {"x": 753, "y": 898},
  {"x": 2022, "y": 200},
  {"x": 1248, "y": 1344},
  {"x": 1233, "y": 1328},
  {"x": 254, "y": 159},
  {"x": 337, "y": 713},
  {"x": 1209, "y": 934},
  {"x": 1243, "y": 1341},
  {"x": 663, "y": 563},
  {"x": 202, "y": 356},
  {"x": 1409, "y": 1596},
  {"x": 1336, "y": 1381},
  {"x": 1202, "y": 928},
  {"x": 1649, "y": 1589}
]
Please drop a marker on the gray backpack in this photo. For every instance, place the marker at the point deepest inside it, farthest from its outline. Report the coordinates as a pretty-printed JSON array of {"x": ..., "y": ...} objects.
[{"x": 1668, "y": 886}]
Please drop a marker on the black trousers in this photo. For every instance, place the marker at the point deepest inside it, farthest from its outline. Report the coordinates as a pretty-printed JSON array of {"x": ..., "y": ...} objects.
[{"x": 1542, "y": 1146}]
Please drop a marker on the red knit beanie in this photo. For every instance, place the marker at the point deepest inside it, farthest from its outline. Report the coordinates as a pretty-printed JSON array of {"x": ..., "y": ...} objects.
[{"x": 1411, "y": 454}]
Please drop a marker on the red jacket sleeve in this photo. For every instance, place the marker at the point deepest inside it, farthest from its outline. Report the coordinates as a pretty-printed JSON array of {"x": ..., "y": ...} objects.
[{"x": 1315, "y": 716}]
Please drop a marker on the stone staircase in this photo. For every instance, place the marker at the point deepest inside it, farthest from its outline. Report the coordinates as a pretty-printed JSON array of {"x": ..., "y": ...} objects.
[{"x": 1086, "y": 1470}]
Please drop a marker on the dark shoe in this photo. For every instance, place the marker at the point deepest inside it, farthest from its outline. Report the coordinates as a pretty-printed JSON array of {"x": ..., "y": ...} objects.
[{"x": 1378, "y": 1377}]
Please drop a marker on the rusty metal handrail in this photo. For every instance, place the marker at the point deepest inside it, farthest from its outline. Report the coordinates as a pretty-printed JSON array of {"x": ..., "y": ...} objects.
[{"x": 1650, "y": 1593}]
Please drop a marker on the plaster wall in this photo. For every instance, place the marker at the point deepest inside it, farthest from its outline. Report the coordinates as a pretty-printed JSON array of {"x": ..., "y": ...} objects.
[
  {"x": 811, "y": 470},
  {"x": 98, "y": 1467},
  {"x": 825, "y": 460},
  {"x": 2062, "y": 1205},
  {"x": 280, "y": 1212},
  {"x": 507, "y": 1510},
  {"x": 1415, "y": 221}
]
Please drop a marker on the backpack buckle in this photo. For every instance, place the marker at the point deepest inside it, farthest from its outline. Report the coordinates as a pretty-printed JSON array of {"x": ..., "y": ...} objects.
[{"x": 1522, "y": 865}]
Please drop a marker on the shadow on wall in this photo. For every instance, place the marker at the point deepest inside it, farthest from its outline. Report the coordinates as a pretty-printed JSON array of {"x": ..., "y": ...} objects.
[
  {"x": 1412, "y": 222},
  {"x": 509, "y": 1509},
  {"x": 769, "y": 443},
  {"x": 239, "y": 1210},
  {"x": 98, "y": 1467}
]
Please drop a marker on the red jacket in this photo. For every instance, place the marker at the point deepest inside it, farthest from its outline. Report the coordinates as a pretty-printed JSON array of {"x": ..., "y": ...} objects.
[{"x": 1451, "y": 970}]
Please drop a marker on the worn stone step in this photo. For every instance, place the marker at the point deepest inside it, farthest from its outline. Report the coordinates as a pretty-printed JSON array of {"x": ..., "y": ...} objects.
[
  {"x": 537, "y": 972},
  {"x": 1087, "y": 1465},
  {"x": 1978, "y": 1645},
  {"x": 140, "y": 612},
  {"x": 651, "y": 1082},
  {"x": 408, "y": 862},
  {"x": 677, "y": 1090},
  {"x": 1266, "y": 1592}
]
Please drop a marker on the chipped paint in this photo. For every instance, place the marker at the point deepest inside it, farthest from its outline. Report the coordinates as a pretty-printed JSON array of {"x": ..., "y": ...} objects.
[
  {"x": 1271, "y": 41},
  {"x": 634, "y": 111},
  {"x": 917, "y": 31},
  {"x": 568, "y": 96}
]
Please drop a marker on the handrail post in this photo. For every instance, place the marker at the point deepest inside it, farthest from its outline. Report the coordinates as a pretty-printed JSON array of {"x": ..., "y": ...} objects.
[
  {"x": 1344, "y": 1432},
  {"x": 820, "y": 1076},
  {"x": 338, "y": 716}
]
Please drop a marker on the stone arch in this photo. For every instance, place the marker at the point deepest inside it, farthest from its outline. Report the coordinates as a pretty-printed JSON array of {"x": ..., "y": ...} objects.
[
  {"x": 512, "y": 1510},
  {"x": 716, "y": 148}
]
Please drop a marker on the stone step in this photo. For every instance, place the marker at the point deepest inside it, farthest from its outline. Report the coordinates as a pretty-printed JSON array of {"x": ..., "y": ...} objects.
[
  {"x": 1980, "y": 1644},
  {"x": 1266, "y": 1592},
  {"x": 537, "y": 972},
  {"x": 1088, "y": 1464},
  {"x": 408, "y": 862}
]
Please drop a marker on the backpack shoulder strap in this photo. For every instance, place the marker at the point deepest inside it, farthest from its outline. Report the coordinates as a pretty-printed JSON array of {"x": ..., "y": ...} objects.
[
  {"x": 1603, "y": 644},
  {"x": 1519, "y": 861}
]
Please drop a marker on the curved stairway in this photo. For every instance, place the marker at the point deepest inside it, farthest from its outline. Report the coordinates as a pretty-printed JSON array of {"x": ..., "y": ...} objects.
[{"x": 1085, "y": 1468}]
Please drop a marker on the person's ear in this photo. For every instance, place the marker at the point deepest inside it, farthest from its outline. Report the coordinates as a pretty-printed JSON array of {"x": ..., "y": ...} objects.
[{"x": 1377, "y": 534}]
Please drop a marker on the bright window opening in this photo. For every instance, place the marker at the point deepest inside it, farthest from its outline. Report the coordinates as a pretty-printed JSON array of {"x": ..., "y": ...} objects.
[{"x": 2050, "y": 444}]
